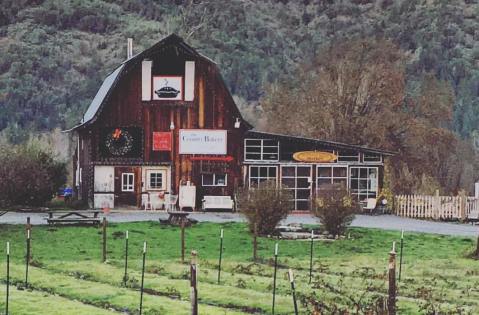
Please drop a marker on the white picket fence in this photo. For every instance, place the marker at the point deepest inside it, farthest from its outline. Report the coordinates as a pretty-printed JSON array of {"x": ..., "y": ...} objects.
[{"x": 437, "y": 207}]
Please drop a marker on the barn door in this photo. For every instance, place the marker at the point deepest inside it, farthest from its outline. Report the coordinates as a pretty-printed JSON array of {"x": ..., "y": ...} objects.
[{"x": 127, "y": 186}]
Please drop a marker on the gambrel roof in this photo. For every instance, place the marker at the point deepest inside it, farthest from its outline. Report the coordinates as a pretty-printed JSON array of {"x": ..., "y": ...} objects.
[{"x": 113, "y": 78}]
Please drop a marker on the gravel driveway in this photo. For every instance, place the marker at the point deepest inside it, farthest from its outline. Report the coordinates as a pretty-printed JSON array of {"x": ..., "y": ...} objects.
[{"x": 387, "y": 222}]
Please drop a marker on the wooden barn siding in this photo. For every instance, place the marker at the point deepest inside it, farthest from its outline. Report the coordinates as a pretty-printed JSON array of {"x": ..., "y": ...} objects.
[{"x": 126, "y": 109}]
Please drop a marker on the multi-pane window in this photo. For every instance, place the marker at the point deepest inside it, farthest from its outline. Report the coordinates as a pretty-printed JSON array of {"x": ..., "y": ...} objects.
[
  {"x": 297, "y": 179},
  {"x": 348, "y": 156},
  {"x": 258, "y": 174},
  {"x": 213, "y": 179},
  {"x": 364, "y": 182},
  {"x": 127, "y": 181},
  {"x": 261, "y": 150},
  {"x": 371, "y": 157},
  {"x": 156, "y": 180},
  {"x": 327, "y": 175}
]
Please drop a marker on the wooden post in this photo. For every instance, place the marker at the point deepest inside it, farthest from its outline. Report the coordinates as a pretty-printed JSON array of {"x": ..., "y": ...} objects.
[
  {"x": 437, "y": 204},
  {"x": 400, "y": 255},
  {"x": 293, "y": 291},
  {"x": 462, "y": 205},
  {"x": 274, "y": 274},
  {"x": 221, "y": 254},
  {"x": 104, "y": 240},
  {"x": 142, "y": 277},
  {"x": 125, "y": 276},
  {"x": 194, "y": 284},
  {"x": 182, "y": 227},
  {"x": 8, "y": 278},
  {"x": 392, "y": 281}
]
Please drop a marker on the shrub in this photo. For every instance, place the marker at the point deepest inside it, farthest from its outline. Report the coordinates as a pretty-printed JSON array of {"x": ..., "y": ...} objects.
[
  {"x": 30, "y": 175},
  {"x": 335, "y": 208},
  {"x": 264, "y": 207}
]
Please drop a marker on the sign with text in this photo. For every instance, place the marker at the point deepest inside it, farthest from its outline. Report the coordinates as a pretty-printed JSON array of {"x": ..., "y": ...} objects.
[
  {"x": 161, "y": 141},
  {"x": 202, "y": 141}
]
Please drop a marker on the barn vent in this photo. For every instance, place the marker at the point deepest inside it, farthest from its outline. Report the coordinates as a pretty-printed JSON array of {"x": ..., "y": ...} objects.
[
  {"x": 146, "y": 80},
  {"x": 129, "y": 48}
]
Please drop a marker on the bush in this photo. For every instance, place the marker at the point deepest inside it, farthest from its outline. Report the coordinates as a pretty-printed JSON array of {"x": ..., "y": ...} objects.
[
  {"x": 30, "y": 175},
  {"x": 335, "y": 208},
  {"x": 264, "y": 207}
]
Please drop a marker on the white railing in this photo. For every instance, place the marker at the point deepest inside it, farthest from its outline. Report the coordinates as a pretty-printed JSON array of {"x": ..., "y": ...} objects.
[{"x": 437, "y": 207}]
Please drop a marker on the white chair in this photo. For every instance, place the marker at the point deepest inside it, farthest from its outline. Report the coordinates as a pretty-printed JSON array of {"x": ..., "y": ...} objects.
[
  {"x": 170, "y": 203},
  {"x": 145, "y": 201},
  {"x": 370, "y": 205},
  {"x": 157, "y": 202}
]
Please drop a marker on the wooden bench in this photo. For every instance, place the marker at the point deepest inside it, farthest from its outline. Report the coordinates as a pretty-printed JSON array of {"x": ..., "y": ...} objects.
[
  {"x": 73, "y": 217},
  {"x": 217, "y": 202}
]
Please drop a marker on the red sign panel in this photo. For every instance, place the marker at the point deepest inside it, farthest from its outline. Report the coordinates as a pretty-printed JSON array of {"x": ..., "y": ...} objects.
[{"x": 162, "y": 141}]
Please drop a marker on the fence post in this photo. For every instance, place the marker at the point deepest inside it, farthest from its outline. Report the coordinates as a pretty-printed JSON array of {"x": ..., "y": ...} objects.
[
  {"x": 27, "y": 257},
  {"x": 437, "y": 204},
  {"x": 194, "y": 284},
  {"x": 125, "y": 275},
  {"x": 293, "y": 290},
  {"x": 274, "y": 274},
  {"x": 221, "y": 255},
  {"x": 392, "y": 281},
  {"x": 8, "y": 278},
  {"x": 142, "y": 278},
  {"x": 104, "y": 240},
  {"x": 182, "y": 228}
]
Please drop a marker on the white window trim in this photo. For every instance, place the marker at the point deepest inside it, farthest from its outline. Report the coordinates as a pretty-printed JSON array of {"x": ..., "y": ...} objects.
[
  {"x": 267, "y": 178},
  {"x": 261, "y": 153},
  {"x": 214, "y": 180},
  {"x": 348, "y": 156},
  {"x": 332, "y": 177},
  {"x": 127, "y": 189},
  {"x": 163, "y": 180},
  {"x": 372, "y": 162},
  {"x": 357, "y": 192}
]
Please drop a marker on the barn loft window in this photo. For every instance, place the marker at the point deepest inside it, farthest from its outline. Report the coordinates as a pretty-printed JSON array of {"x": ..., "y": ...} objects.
[
  {"x": 261, "y": 150},
  {"x": 371, "y": 158},
  {"x": 364, "y": 182},
  {"x": 258, "y": 174},
  {"x": 348, "y": 156},
  {"x": 213, "y": 179},
  {"x": 155, "y": 180},
  {"x": 127, "y": 180}
]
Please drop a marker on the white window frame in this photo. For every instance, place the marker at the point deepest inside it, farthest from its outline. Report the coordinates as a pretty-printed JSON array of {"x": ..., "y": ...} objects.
[
  {"x": 380, "y": 160},
  {"x": 148, "y": 179},
  {"x": 263, "y": 178},
  {"x": 332, "y": 177},
  {"x": 214, "y": 180},
  {"x": 128, "y": 187},
  {"x": 261, "y": 146},
  {"x": 369, "y": 193},
  {"x": 348, "y": 156},
  {"x": 296, "y": 189}
]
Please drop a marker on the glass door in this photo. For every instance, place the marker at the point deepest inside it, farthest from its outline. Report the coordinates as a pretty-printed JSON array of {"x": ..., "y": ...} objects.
[{"x": 297, "y": 179}]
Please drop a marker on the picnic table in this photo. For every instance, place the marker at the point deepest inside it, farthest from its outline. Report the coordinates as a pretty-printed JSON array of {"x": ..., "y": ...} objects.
[
  {"x": 74, "y": 217},
  {"x": 177, "y": 218}
]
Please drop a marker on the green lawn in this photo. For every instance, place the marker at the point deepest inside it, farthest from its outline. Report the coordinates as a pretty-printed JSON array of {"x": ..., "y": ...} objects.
[{"x": 348, "y": 273}]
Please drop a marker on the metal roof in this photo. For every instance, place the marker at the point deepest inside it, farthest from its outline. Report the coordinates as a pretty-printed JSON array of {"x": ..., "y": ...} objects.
[{"x": 262, "y": 134}]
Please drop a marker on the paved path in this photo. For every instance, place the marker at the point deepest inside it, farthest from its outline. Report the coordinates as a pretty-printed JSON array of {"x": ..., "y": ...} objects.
[{"x": 387, "y": 222}]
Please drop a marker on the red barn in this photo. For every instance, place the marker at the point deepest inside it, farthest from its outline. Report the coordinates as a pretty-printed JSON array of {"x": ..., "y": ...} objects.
[{"x": 164, "y": 124}]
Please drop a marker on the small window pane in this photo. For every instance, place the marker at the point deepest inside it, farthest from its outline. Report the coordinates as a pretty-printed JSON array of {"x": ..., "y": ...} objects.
[
  {"x": 288, "y": 171},
  {"x": 253, "y": 142},
  {"x": 340, "y": 172},
  {"x": 304, "y": 171},
  {"x": 220, "y": 179},
  {"x": 254, "y": 171},
  {"x": 324, "y": 172},
  {"x": 207, "y": 179}
]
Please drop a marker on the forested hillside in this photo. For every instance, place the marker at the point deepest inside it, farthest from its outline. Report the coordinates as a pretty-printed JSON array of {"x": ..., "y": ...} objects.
[{"x": 55, "y": 53}]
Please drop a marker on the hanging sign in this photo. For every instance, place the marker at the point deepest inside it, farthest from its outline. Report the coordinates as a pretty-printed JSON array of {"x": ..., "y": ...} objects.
[
  {"x": 314, "y": 156},
  {"x": 162, "y": 141},
  {"x": 202, "y": 141}
]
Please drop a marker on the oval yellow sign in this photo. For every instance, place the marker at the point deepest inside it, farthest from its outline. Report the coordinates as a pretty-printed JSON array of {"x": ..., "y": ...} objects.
[{"x": 314, "y": 156}]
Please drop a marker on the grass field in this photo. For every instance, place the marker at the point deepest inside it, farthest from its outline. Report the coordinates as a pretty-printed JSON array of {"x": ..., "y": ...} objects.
[{"x": 67, "y": 276}]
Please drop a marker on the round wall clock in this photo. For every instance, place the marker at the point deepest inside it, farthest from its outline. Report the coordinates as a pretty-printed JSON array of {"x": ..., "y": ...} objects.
[{"x": 119, "y": 142}]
